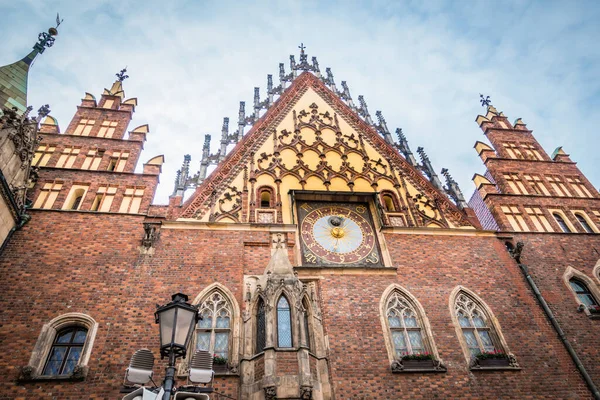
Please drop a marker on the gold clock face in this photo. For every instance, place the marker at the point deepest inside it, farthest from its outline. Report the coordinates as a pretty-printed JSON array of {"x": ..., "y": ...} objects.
[{"x": 337, "y": 233}]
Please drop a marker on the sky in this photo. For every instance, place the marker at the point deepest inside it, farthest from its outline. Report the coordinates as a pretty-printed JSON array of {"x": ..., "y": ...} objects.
[{"x": 422, "y": 63}]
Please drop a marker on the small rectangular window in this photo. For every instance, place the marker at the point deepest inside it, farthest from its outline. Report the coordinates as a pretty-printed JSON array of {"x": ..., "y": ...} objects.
[
  {"x": 42, "y": 155},
  {"x": 118, "y": 161},
  {"x": 67, "y": 157},
  {"x": 48, "y": 195},
  {"x": 93, "y": 159},
  {"x": 84, "y": 127},
  {"x": 132, "y": 200},
  {"x": 107, "y": 129},
  {"x": 515, "y": 183},
  {"x": 512, "y": 150},
  {"x": 539, "y": 219},
  {"x": 537, "y": 185},
  {"x": 531, "y": 151},
  {"x": 108, "y": 103},
  {"x": 558, "y": 186},
  {"x": 104, "y": 198},
  {"x": 579, "y": 187},
  {"x": 516, "y": 220}
]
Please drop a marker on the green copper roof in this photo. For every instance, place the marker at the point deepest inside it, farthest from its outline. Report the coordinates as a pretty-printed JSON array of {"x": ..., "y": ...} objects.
[{"x": 13, "y": 83}]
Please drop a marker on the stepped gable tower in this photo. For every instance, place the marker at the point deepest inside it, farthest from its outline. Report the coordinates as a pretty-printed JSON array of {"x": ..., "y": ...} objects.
[
  {"x": 90, "y": 167},
  {"x": 18, "y": 137},
  {"x": 546, "y": 203}
]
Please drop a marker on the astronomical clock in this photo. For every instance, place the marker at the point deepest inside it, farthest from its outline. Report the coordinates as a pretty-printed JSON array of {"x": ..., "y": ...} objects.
[{"x": 337, "y": 234}]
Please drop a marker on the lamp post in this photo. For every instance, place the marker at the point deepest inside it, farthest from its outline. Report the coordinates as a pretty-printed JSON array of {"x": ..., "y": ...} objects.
[{"x": 176, "y": 321}]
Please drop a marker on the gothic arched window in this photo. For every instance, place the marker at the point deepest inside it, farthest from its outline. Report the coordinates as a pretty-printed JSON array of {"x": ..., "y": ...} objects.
[
  {"x": 284, "y": 323},
  {"x": 474, "y": 322},
  {"x": 582, "y": 292},
  {"x": 214, "y": 329},
  {"x": 388, "y": 202},
  {"x": 561, "y": 222},
  {"x": 66, "y": 351},
  {"x": 260, "y": 326},
  {"x": 404, "y": 325}
]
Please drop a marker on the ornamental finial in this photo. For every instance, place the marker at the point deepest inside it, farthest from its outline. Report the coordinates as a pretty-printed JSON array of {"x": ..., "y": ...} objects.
[
  {"x": 121, "y": 75},
  {"x": 485, "y": 100},
  {"x": 46, "y": 39}
]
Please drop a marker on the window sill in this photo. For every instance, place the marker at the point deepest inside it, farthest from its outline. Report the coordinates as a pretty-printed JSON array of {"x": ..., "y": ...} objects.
[
  {"x": 495, "y": 368},
  {"x": 423, "y": 366},
  {"x": 26, "y": 375}
]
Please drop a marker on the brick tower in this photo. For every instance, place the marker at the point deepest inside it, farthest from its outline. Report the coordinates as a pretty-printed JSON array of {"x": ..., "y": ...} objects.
[{"x": 546, "y": 203}]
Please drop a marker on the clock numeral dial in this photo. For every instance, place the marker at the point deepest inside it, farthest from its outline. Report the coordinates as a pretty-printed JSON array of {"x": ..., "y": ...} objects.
[{"x": 337, "y": 234}]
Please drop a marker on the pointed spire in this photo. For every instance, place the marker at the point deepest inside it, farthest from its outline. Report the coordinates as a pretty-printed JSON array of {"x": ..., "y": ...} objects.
[
  {"x": 241, "y": 121},
  {"x": 205, "y": 159},
  {"x": 453, "y": 190},
  {"x": 428, "y": 169},
  {"x": 382, "y": 127},
  {"x": 404, "y": 149},
  {"x": 225, "y": 139},
  {"x": 363, "y": 110},
  {"x": 182, "y": 176},
  {"x": 257, "y": 105},
  {"x": 329, "y": 80},
  {"x": 345, "y": 95},
  {"x": 270, "y": 93},
  {"x": 293, "y": 66},
  {"x": 316, "y": 69}
]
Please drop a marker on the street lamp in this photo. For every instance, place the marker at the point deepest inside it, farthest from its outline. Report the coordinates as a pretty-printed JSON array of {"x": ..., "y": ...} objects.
[{"x": 176, "y": 321}]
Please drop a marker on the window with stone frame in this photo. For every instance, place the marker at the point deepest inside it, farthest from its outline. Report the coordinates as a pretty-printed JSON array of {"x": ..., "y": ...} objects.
[
  {"x": 42, "y": 155},
  {"x": 93, "y": 159},
  {"x": 63, "y": 348},
  {"x": 583, "y": 292},
  {"x": 405, "y": 326},
  {"x": 578, "y": 187},
  {"x": 477, "y": 329},
  {"x": 284, "y": 323},
  {"x": 213, "y": 331},
  {"x": 536, "y": 183},
  {"x": 132, "y": 199},
  {"x": 515, "y": 218},
  {"x": 66, "y": 351},
  {"x": 104, "y": 198},
  {"x": 118, "y": 161}
]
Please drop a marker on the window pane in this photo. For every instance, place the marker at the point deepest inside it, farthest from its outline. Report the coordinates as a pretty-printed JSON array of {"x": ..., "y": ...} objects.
[
  {"x": 394, "y": 321},
  {"x": 221, "y": 344},
  {"x": 587, "y": 299},
  {"x": 284, "y": 323},
  {"x": 399, "y": 343},
  {"x": 72, "y": 360},
  {"x": 410, "y": 321},
  {"x": 471, "y": 341},
  {"x": 203, "y": 341},
  {"x": 416, "y": 342},
  {"x": 223, "y": 320},
  {"x": 478, "y": 321},
  {"x": 486, "y": 340},
  {"x": 206, "y": 321},
  {"x": 577, "y": 286},
  {"x": 463, "y": 321},
  {"x": 80, "y": 335},
  {"x": 57, "y": 354},
  {"x": 64, "y": 336}
]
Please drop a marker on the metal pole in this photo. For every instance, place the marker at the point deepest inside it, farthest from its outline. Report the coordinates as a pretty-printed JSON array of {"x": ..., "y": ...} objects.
[{"x": 169, "y": 377}]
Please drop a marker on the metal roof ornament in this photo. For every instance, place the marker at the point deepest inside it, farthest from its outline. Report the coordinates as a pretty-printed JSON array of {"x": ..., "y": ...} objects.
[
  {"x": 121, "y": 75},
  {"x": 485, "y": 100},
  {"x": 46, "y": 39}
]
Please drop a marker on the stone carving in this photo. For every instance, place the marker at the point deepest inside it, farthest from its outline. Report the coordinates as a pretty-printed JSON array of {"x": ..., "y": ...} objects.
[
  {"x": 270, "y": 393},
  {"x": 516, "y": 252},
  {"x": 306, "y": 392},
  {"x": 151, "y": 235}
]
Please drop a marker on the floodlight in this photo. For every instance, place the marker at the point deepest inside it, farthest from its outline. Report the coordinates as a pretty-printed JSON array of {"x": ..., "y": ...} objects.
[{"x": 140, "y": 367}]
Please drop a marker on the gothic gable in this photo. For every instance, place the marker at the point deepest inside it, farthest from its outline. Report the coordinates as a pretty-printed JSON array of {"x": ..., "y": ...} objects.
[{"x": 310, "y": 140}]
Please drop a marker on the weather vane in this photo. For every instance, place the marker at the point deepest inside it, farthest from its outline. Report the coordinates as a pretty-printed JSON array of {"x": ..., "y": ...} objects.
[
  {"x": 46, "y": 39},
  {"x": 301, "y": 47},
  {"x": 121, "y": 75},
  {"x": 485, "y": 100}
]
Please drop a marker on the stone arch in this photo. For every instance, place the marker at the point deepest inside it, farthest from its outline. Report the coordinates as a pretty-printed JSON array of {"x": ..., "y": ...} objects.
[
  {"x": 596, "y": 270},
  {"x": 48, "y": 333},
  {"x": 571, "y": 273},
  {"x": 235, "y": 328},
  {"x": 424, "y": 324}
]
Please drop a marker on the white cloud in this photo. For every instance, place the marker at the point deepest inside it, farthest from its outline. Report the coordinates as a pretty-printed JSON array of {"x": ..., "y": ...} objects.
[{"x": 422, "y": 63}]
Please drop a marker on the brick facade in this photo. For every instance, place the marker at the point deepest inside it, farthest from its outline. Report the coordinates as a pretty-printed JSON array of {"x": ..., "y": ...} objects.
[{"x": 93, "y": 262}]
